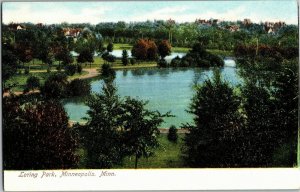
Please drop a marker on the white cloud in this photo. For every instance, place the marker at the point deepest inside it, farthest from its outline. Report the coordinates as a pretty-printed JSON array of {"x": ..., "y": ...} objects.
[{"x": 56, "y": 14}]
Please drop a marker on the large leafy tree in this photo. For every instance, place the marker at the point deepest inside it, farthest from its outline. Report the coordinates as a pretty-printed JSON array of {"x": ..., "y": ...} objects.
[
  {"x": 211, "y": 140},
  {"x": 37, "y": 136},
  {"x": 141, "y": 128},
  {"x": 102, "y": 133},
  {"x": 164, "y": 49}
]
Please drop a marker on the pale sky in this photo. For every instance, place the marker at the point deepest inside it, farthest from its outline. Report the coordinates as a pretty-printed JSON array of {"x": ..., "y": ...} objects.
[{"x": 181, "y": 11}]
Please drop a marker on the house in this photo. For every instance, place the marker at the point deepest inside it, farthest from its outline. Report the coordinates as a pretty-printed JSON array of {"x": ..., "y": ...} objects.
[
  {"x": 15, "y": 26},
  {"x": 69, "y": 32}
]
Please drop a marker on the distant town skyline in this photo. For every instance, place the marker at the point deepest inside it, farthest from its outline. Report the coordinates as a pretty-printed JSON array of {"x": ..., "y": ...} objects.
[{"x": 181, "y": 11}]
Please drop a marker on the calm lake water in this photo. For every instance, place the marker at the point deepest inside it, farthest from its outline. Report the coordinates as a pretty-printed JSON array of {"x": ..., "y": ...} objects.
[{"x": 165, "y": 89}]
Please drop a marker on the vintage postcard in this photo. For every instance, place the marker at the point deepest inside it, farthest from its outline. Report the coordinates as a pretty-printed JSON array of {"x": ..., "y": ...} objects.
[{"x": 150, "y": 95}]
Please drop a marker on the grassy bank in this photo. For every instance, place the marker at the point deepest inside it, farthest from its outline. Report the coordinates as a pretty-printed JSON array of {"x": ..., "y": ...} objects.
[{"x": 168, "y": 155}]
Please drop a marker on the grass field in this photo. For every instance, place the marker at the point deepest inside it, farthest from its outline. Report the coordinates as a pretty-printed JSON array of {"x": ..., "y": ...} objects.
[
  {"x": 20, "y": 79},
  {"x": 166, "y": 156}
]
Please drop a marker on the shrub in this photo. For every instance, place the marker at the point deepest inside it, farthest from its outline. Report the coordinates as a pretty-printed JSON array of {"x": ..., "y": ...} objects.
[
  {"x": 55, "y": 86},
  {"x": 162, "y": 63},
  {"x": 107, "y": 71},
  {"x": 79, "y": 87},
  {"x": 70, "y": 69},
  {"x": 175, "y": 62},
  {"x": 26, "y": 71},
  {"x": 32, "y": 83},
  {"x": 132, "y": 61},
  {"x": 172, "y": 135},
  {"x": 79, "y": 68}
]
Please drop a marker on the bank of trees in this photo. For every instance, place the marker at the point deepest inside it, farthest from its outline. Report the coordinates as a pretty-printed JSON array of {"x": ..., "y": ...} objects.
[{"x": 256, "y": 128}]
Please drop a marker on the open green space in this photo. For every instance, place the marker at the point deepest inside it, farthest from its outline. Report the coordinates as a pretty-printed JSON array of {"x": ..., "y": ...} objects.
[{"x": 167, "y": 155}]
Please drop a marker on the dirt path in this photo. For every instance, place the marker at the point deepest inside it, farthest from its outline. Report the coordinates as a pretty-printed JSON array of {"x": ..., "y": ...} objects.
[{"x": 92, "y": 72}]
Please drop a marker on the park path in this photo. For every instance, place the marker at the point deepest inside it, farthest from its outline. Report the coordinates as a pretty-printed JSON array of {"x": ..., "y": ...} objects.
[{"x": 92, "y": 72}]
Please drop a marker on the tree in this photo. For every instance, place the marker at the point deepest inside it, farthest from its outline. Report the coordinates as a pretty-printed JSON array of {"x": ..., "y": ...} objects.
[
  {"x": 107, "y": 71},
  {"x": 172, "y": 134},
  {"x": 164, "y": 49},
  {"x": 86, "y": 55},
  {"x": 259, "y": 135},
  {"x": 37, "y": 136},
  {"x": 79, "y": 87},
  {"x": 101, "y": 135},
  {"x": 286, "y": 101},
  {"x": 144, "y": 49},
  {"x": 55, "y": 86},
  {"x": 210, "y": 141},
  {"x": 140, "y": 128},
  {"x": 110, "y": 47},
  {"x": 125, "y": 57},
  {"x": 32, "y": 83},
  {"x": 9, "y": 62},
  {"x": 140, "y": 49}
]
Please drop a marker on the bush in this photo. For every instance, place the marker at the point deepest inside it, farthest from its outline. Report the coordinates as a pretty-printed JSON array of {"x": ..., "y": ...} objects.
[
  {"x": 172, "y": 135},
  {"x": 132, "y": 61},
  {"x": 175, "y": 62},
  {"x": 55, "y": 86},
  {"x": 26, "y": 71},
  {"x": 70, "y": 69},
  {"x": 107, "y": 71},
  {"x": 79, "y": 68},
  {"x": 162, "y": 63},
  {"x": 32, "y": 83},
  {"x": 79, "y": 87}
]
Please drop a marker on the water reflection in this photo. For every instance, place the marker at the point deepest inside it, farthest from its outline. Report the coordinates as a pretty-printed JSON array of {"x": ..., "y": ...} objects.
[{"x": 166, "y": 89}]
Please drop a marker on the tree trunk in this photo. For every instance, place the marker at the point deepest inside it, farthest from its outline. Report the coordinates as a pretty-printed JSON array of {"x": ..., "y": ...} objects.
[{"x": 136, "y": 161}]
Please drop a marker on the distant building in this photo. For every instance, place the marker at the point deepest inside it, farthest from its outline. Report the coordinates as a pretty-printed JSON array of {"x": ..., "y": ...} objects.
[
  {"x": 15, "y": 26},
  {"x": 247, "y": 22},
  {"x": 69, "y": 32},
  {"x": 271, "y": 27},
  {"x": 233, "y": 28}
]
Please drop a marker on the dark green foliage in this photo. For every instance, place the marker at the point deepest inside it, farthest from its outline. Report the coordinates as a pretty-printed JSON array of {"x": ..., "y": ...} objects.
[
  {"x": 55, "y": 86},
  {"x": 132, "y": 61},
  {"x": 176, "y": 62},
  {"x": 140, "y": 128},
  {"x": 211, "y": 141},
  {"x": 259, "y": 135},
  {"x": 164, "y": 49},
  {"x": 79, "y": 68},
  {"x": 86, "y": 55},
  {"x": 107, "y": 71},
  {"x": 286, "y": 100},
  {"x": 37, "y": 136},
  {"x": 32, "y": 83},
  {"x": 79, "y": 87},
  {"x": 172, "y": 134},
  {"x": 9, "y": 62},
  {"x": 198, "y": 57},
  {"x": 101, "y": 135},
  {"x": 71, "y": 69},
  {"x": 124, "y": 57},
  {"x": 110, "y": 47},
  {"x": 162, "y": 63}
]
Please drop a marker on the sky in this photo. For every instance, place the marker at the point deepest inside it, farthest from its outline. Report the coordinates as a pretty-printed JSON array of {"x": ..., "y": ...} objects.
[{"x": 181, "y": 11}]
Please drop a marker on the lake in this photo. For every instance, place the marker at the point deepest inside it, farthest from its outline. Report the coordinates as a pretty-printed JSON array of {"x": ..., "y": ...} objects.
[{"x": 166, "y": 90}]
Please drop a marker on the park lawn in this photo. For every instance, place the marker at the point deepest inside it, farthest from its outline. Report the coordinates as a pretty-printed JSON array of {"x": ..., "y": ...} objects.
[
  {"x": 221, "y": 52},
  {"x": 20, "y": 79},
  {"x": 120, "y": 46},
  {"x": 180, "y": 49},
  {"x": 167, "y": 155}
]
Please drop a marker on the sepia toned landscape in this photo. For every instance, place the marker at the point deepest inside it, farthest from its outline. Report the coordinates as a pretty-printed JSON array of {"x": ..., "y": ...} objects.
[{"x": 97, "y": 85}]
